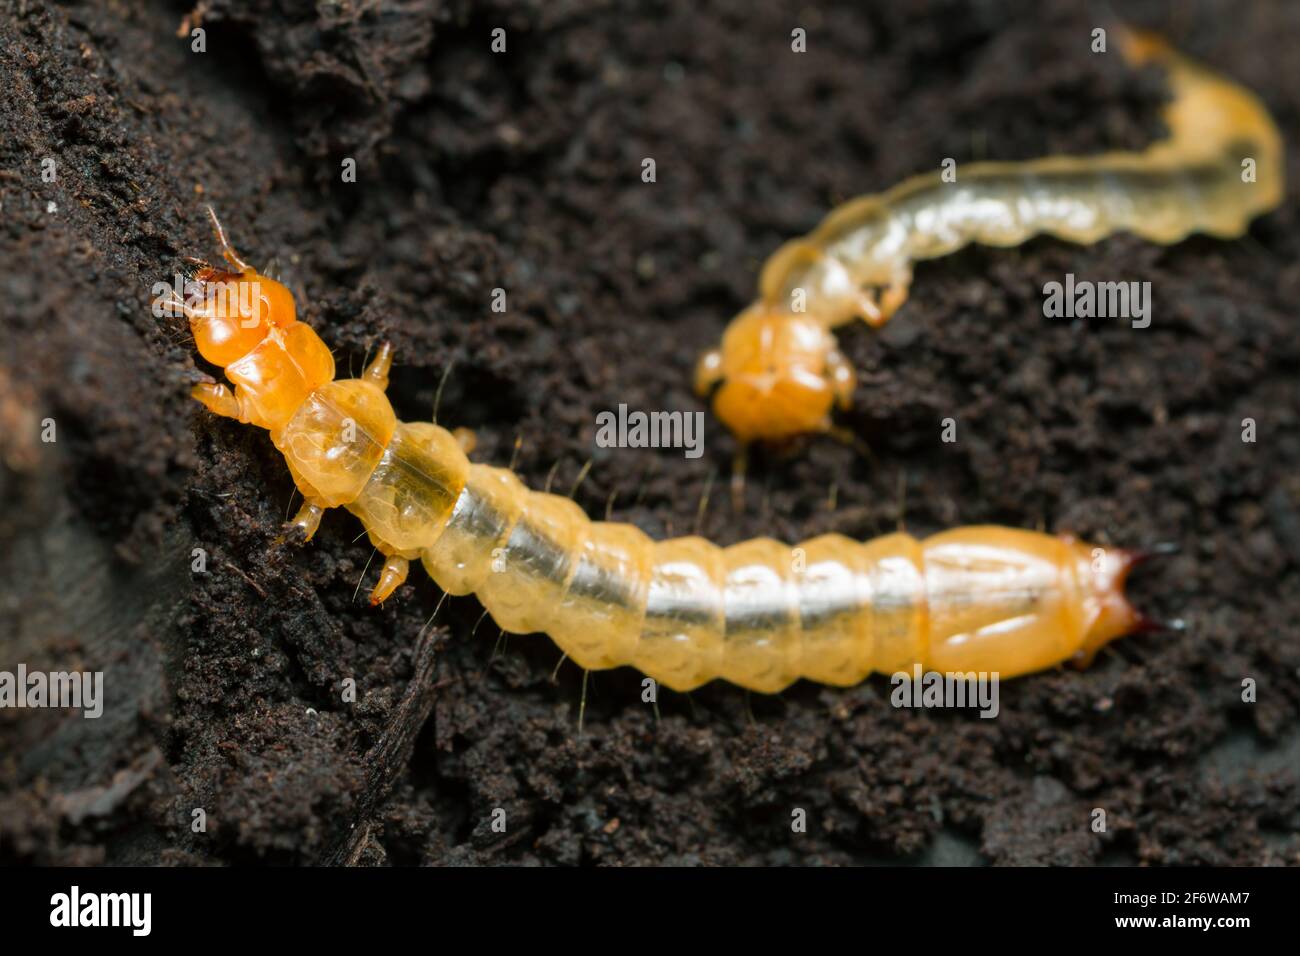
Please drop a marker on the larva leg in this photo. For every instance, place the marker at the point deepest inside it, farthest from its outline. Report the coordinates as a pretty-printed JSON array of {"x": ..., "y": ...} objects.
[
  {"x": 889, "y": 300},
  {"x": 218, "y": 399},
  {"x": 308, "y": 518},
  {"x": 465, "y": 438},
  {"x": 377, "y": 371},
  {"x": 895, "y": 294},
  {"x": 842, "y": 378},
  {"x": 390, "y": 578}
]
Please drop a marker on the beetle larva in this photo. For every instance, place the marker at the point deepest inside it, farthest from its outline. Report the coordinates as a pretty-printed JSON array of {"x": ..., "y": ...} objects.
[
  {"x": 684, "y": 611},
  {"x": 777, "y": 371}
]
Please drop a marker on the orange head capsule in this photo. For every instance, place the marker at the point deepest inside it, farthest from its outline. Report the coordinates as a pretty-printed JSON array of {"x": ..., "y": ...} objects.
[
  {"x": 777, "y": 375},
  {"x": 231, "y": 312},
  {"x": 247, "y": 323}
]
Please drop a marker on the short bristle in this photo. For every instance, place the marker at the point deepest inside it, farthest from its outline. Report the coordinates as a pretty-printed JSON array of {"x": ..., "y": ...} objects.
[
  {"x": 1163, "y": 550},
  {"x": 1146, "y": 624}
]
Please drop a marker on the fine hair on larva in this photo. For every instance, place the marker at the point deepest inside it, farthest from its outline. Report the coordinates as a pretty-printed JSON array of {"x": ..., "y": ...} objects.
[
  {"x": 760, "y": 614},
  {"x": 778, "y": 372}
]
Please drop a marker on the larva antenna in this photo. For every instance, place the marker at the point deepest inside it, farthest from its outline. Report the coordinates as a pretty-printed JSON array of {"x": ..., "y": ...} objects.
[
  {"x": 199, "y": 264},
  {"x": 173, "y": 303},
  {"x": 227, "y": 250}
]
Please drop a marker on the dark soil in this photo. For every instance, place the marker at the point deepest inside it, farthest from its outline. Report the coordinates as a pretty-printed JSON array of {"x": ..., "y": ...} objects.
[{"x": 522, "y": 171}]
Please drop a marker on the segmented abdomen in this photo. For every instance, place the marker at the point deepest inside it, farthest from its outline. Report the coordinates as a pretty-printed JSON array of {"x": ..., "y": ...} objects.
[{"x": 760, "y": 614}]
